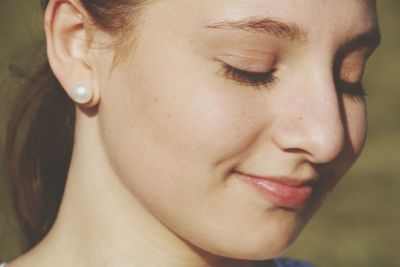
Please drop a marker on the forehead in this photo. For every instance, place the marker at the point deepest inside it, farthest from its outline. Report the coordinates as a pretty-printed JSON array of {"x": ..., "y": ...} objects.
[{"x": 319, "y": 18}]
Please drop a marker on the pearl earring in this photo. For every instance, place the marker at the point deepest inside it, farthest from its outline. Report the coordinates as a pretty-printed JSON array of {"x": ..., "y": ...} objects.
[{"x": 81, "y": 94}]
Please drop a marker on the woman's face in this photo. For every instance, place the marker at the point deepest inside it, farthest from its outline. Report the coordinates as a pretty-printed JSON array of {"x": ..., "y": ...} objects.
[{"x": 232, "y": 120}]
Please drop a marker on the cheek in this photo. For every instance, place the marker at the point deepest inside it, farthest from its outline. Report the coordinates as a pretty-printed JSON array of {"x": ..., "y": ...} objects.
[
  {"x": 201, "y": 120},
  {"x": 356, "y": 117},
  {"x": 182, "y": 126},
  {"x": 192, "y": 115}
]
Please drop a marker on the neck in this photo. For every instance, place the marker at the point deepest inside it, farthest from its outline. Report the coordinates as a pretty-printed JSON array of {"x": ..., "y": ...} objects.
[{"x": 101, "y": 223}]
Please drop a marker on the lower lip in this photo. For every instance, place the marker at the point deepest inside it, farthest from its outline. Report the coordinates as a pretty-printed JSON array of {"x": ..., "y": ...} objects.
[{"x": 279, "y": 194}]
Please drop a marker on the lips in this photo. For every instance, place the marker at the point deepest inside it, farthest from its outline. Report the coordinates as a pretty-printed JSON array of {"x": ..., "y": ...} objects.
[{"x": 280, "y": 191}]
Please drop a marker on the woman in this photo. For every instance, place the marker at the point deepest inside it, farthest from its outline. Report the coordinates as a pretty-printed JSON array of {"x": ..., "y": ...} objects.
[{"x": 206, "y": 133}]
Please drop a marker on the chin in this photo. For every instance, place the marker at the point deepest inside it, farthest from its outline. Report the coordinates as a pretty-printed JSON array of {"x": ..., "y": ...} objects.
[
  {"x": 246, "y": 251},
  {"x": 257, "y": 245}
]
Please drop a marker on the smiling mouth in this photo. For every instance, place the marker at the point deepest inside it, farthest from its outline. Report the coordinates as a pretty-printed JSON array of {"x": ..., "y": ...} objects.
[{"x": 281, "y": 191}]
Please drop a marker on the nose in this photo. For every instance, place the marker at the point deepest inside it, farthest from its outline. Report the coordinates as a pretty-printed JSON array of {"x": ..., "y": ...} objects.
[{"x": 310, "y": 121}]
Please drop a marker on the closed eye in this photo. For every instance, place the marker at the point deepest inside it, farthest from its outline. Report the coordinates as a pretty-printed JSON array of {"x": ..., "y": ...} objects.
[
  {"x": 352, "y": 89},
  {"x": 247, "y": 78},
  {"x": 267, "y": 79},
  {"x": 355, "y": 91}
]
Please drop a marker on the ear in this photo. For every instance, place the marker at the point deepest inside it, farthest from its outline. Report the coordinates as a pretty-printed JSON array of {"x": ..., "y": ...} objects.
[{"x": 68, "y": 46}]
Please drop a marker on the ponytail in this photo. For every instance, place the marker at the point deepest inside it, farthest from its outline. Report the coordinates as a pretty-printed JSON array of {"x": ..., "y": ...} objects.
[{"x": 38, "y": 149}]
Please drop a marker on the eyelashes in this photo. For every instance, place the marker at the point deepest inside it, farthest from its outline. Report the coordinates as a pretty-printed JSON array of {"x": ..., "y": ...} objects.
[
  {"x": 355, "y": 90},
  {"x": 259, "y": 80},
  {"x": 246, "y": 78}
]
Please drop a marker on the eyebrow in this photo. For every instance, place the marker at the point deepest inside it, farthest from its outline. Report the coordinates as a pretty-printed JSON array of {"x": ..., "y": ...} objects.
[
  {"x": 281, "y": 30},
  {"x": 370, "y": 38}
]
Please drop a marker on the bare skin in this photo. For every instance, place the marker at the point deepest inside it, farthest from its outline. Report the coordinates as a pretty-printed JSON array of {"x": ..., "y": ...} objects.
[{"x": 158, "y": 153}]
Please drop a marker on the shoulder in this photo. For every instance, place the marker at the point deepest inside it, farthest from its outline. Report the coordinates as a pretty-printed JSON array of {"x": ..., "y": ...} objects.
[{"x": 284, "y": 262}]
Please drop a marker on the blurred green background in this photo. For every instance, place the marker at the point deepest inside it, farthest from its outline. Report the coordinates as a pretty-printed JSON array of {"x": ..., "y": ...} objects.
[{"x": 360, "y": 223}]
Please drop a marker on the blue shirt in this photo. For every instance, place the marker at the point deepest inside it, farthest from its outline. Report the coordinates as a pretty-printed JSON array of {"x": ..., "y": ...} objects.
[{"x": 291, "y": 263}]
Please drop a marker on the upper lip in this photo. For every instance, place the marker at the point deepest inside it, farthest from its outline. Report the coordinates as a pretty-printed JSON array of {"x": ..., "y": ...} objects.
[{"x": 284, "y": 180}]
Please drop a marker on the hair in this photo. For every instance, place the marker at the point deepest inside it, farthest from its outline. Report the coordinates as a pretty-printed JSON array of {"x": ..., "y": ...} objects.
[{"x": 40, "y": 129}]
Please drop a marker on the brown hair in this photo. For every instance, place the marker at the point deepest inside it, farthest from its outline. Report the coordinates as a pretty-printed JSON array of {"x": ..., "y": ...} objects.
[{"x": 40, "y": 130}]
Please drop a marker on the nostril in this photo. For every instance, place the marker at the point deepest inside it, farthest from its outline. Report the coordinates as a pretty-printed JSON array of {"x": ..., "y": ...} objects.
[{"x": 295, "y": 150}]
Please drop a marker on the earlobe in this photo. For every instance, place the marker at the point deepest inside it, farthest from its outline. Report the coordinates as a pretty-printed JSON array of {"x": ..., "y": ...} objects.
[{"x": 68, "y": 49}]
